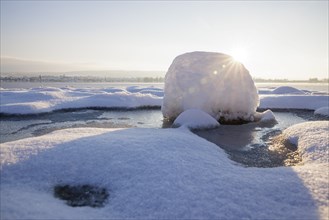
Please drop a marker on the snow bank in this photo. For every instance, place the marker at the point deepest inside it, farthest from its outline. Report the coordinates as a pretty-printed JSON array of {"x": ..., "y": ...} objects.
[
  {"x": 312, "y": 139},
  {"x": 211, "y": 82},
  {"x": 310, "y": 102},
  {"x": 322, "y": 111},
  {"x": 38, "y": 100},
  {"x": 195, "y": 119},
  {"x": 156, "y": 174}
]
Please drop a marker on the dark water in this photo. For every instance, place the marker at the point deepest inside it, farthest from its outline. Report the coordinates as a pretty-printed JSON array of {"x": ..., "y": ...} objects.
[
  {"x": 250, "y": 144},
  {"x": 247, "y": 144},
  {"x": 18, "y": 127}
]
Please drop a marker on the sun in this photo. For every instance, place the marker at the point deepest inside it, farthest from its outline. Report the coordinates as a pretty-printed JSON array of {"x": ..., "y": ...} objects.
[{"x": 240, "y": 55}]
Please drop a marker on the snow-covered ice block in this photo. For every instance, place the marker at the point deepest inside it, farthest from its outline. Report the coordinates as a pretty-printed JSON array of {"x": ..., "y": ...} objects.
[
  {"x": 322, "y": 111},
  {"x": 212, "y": 82},
  {"x": 195, "y": 119}
]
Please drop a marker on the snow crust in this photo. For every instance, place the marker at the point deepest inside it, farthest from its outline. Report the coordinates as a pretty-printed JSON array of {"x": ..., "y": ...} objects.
[
  {"x": 322, "y": 111},
  {"x": 195, "y": 119},
  {"x": 160, "y": 174},
  {"x": 211, "y": 82}
]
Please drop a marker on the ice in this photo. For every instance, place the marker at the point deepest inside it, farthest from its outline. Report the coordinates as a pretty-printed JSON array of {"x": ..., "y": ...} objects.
[
  {"x": 195, "y": 119},
  {"x": 322, "y": 111},
  {"x": 212, "y": 82},
  {"x": 160, "y": 174}
]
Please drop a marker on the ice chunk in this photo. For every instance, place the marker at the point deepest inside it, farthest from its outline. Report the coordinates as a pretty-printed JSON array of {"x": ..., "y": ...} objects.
[
  {"x": 212, "y": 82},
  {"x": 195, "y": 119}
]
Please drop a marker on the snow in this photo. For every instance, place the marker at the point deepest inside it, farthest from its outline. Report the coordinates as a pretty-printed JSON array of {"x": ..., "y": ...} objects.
[
  {"x": 266, "y": 116},
  {"x": 162, "y": 174},
  {"x": 322, "y": 111},
  {"x": 309, "y": 102},
  {"x": 39, "y": 100},
  {"x": 286, "y": 90},
  {"x": 211, "y": 82},
  {"x": 195, "y": 119},
  {"x": 312, "y": 139},
  {"x": 47, "y": 99}
]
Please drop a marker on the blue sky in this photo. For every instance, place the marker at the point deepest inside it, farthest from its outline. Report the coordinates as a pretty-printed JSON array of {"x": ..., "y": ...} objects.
[{"x": 274, "y": 39}]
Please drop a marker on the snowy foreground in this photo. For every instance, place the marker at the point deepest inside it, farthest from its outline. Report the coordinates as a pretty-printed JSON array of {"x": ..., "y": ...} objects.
[
  {"x": 40, "y": 100},
  {"x": 161, "y": 173}
]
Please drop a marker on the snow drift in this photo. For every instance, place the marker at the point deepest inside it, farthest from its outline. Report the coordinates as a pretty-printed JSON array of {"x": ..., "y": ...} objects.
[
  {"x": 160, "y": 174},
  {"x": 212, "y": 82}
]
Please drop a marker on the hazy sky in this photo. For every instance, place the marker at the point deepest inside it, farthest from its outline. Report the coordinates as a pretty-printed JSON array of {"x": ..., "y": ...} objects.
[{"x": 274, "y": 39}]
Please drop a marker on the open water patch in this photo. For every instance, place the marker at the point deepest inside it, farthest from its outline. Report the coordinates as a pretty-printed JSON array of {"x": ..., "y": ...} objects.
[
  {"x": 258, "y": 144},
  {"x": 15, "y": 127},
  {"x": 82, "y": 195}
]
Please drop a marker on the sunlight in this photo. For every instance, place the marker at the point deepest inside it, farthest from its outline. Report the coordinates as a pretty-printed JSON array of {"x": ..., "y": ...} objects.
[{"x": 240, "y": 55}]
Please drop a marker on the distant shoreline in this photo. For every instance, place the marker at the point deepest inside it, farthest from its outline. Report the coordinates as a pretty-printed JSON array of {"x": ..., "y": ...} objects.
[{"x": 140, "y": 79}]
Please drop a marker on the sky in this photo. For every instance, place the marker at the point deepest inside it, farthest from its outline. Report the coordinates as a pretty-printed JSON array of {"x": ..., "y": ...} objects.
[{"x": 273, "y": 39}]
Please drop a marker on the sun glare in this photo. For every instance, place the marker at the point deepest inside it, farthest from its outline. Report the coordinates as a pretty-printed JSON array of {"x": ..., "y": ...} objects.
[{"x": 240, "y": 55}]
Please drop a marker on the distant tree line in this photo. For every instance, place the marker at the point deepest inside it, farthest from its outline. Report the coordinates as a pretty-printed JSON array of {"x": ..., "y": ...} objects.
[
  {"x": 64, "y": 78},
  {"x": 310, "y": 80}
]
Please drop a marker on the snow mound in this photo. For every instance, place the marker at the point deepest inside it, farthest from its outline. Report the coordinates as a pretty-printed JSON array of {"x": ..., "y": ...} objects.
[
  {"x": 286, "y": 90},
  {"x": 322, "y": 111},
  {"x": 195, "y": 119},
  {"x": 311, "y": 139},
  {"x": 266, "y": 116},
  {"x": 212, "y": 82}
]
